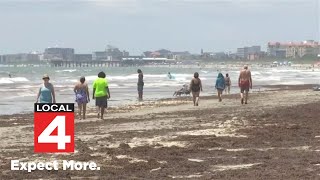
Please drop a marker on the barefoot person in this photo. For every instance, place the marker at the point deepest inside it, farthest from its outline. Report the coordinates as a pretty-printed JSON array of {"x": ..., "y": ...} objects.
[
  {"x": 228, "y": 83},
  {"x": 195, "y": 87},
  {"x": 82, "y": 96},
  {"x": 140, "y": 84},
  {"x": 220, "y": 85},
  {"x": 101, "y": 93},
  {"x": 245, "y": 83},
  {"x": 46, "y": 92}
]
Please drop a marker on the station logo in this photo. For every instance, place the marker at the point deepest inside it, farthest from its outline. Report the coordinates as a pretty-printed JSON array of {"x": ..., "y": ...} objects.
[{"x": 53, "y": 127}]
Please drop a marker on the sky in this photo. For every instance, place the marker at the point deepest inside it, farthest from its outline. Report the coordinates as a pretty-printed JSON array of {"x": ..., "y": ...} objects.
[{"x": 141, "y": 25}]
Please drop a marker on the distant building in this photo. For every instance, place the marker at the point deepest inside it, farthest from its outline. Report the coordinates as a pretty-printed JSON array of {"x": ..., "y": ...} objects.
[
  {"x": 83, "y": 57},
  {"x": 249, "y": 52},
  {"x": 220, "y": 55},
  {"x": 114, "y": 53},
  {"x": 125, "y": 54},
  {"x": 19, "y": 58},
  {"x": 99, "y": 56},
  {"x": 181, "y": 55},
  {"x": 242, "y": 52},
  {"x": 207, "y": 55},
  {"x": 66, "y": 54},
  {"x": 110, "y": 54},
  {"x": 293, "y": 49},
  {"x": 162, "y": 53},
  {"x": 147, "y": 54}
]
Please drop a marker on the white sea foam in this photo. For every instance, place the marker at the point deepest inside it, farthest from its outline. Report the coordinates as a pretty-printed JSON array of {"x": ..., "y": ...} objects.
[
  {"x": 66, "y": 70},
  {"x": 24, "y": 94},
  {"x": 13, "y": 80},
  {"x": 155, "y": 75},
  {"x": 113, "y": 78}
]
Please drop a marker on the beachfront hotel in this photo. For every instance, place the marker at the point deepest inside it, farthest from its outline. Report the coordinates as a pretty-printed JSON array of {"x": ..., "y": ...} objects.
[{"x": 293, "y": 49}]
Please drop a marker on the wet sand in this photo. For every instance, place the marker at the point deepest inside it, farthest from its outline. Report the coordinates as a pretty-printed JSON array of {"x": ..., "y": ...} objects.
[{"x": 275, "y": 136}]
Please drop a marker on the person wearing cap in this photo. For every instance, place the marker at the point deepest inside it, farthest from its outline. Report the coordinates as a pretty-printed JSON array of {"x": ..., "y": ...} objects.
[
  {"x": 101, "y": 93},
  {"x": 81, "y": 91},
  {"x": 245, "y": 83},
  {"x": 46, "y": 92}
]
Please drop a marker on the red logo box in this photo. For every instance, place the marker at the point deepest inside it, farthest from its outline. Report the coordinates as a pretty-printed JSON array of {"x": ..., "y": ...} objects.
[{"x": 53, "y": 127}]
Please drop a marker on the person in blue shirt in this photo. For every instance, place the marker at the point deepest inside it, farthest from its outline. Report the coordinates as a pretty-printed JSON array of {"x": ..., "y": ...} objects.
[
  {"x": 220, "y": 85},
  {"x": 46, "y": 92}
]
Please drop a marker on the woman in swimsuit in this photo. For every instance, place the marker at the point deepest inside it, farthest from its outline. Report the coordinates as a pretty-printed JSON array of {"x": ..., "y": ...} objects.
[
  {"x": 46, "y": 92},
  {"x": 195, "y": 87},
  {"x": 81, "y": 91}
]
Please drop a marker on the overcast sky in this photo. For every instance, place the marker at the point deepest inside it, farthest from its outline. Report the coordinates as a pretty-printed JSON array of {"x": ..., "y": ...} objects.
[{"x": 140, "y": 25}]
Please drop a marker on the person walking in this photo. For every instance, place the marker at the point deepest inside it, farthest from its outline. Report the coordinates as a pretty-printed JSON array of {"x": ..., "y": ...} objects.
[
  {"x": 245, "y": 83},
  {"x": 220, "y": 85},
  {"x": 195, "y": 88},
  {"x": 101, "y": 93},
  {"x": 228, "y": 83},
  {"x": 81, "y": 91},
  {"x": 46, "y": 92}
]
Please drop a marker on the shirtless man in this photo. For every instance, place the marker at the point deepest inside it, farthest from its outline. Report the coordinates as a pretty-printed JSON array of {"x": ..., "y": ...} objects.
[{"x": 245, "y": 83}]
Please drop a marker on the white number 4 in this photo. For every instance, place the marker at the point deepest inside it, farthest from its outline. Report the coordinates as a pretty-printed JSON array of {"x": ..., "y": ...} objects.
[{"x": 61, "y": 139}]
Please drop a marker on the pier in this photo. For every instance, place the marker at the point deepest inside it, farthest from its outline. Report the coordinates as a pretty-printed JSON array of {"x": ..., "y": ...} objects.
[{"x": 64, "y": 63}]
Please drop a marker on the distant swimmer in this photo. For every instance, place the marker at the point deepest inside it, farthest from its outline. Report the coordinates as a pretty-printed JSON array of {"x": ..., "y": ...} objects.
[
  {"x": 46, "y": 92},
  {"x": 170, "y": 76},
  {"x": 140, "y": 84},
  {"x": 245, "y": 83},
  {"x": 195, "y": 88},
  {"x": 10, "y": 75}
]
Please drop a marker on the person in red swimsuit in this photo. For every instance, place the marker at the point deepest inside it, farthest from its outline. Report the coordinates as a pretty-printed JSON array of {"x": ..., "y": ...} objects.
[{"x": 245, "y": 83}]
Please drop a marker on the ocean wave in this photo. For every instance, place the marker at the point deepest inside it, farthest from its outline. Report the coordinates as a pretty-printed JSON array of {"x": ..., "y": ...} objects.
[
  {"x": 66, "y": 70},
  {"x": 154, "y": 75},
  {"x": 25, "y": 94},
  {"x": 13, "y": 80}
]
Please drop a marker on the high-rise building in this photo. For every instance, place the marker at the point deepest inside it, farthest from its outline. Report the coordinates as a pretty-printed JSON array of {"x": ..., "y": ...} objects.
[
  {"x": 19, "y": 58},
  {"x": 249, "y": 52},
  {"x": 293, "y": 49},
  {"x": 66, "y": 54}
]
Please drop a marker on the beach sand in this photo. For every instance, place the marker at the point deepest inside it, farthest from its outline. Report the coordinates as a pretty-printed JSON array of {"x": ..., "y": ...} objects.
[{"x": 275, "y": 136}]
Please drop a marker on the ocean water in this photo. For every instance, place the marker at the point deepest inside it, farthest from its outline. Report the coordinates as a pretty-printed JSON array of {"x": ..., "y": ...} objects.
[{"x": 18, "y": 93}]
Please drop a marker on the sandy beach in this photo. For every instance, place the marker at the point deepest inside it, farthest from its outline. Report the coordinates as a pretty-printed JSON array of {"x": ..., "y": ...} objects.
[{"x": 275, "y": 136}]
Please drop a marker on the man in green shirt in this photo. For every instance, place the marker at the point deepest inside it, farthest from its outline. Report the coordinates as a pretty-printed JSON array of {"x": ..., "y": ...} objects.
[{"x": 101, "y": 93}]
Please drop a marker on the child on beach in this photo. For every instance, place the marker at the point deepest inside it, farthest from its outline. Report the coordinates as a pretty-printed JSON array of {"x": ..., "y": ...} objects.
[
  {"x": 81, "y": 91},
  {"x": 46, "y": 92},
  {"x": 195, "y": 87},
  {"x": 228, "y": 83},
  {"x": 220, "y": 85},
  {"x": 101, "y": 93}
]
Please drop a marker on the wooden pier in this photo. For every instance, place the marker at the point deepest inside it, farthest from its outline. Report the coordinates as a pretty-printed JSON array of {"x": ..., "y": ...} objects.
[{"x": 64, "y": 63}]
